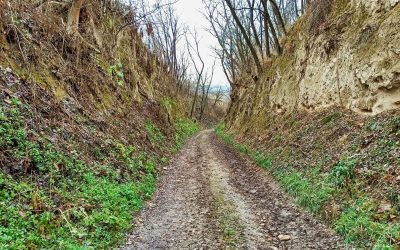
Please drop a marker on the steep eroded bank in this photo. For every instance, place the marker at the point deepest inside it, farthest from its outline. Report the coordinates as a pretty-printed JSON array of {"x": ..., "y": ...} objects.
[
  {"x": 87, "y": 120},
  {"x": 347, "y": 56},
  {"x": 324, "y": 118}
]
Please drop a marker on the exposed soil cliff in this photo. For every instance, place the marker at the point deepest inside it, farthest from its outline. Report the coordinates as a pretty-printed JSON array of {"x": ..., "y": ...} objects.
[
  {"x": 347, "y": 56},
  {"x": 323, "y": 119}
]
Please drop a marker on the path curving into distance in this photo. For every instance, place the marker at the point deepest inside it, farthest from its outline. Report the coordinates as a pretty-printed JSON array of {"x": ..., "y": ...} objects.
[{"x": 210, "y": 197}]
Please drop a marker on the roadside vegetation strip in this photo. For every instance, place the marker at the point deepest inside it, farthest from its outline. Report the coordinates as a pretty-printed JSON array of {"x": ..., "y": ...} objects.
[
  {"x": 52, "y": 199},
  {"x": 229, "y": 222},
  {"x": 361, "y": 220},
  {"x": 225, "y": 205}
]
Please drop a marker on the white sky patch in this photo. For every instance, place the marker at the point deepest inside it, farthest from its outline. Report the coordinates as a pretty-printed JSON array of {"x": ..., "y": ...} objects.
[{"x": 189, "y": 13}]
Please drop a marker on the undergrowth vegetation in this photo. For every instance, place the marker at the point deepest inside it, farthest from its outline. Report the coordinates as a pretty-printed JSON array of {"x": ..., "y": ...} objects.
[
  {"x": 184, "y": 127},
  {"x": 340, "y": 194},
  {"x": 88, "y": 115},
  {"x": 154, "y": 133},
  {"x": 51, "y": 198},
  {"x": 232, "y": 227}
]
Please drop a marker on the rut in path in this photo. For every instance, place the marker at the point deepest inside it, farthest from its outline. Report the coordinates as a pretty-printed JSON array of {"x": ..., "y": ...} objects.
[{"x": 211, "y": 198}]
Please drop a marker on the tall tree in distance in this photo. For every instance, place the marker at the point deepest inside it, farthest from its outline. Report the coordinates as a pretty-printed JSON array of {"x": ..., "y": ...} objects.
[
  {"x": 198, "y": 63},
  {"x": 206, "y": 91}
]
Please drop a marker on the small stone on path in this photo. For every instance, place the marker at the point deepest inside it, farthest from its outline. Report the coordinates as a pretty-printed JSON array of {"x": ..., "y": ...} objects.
[{"x": 283, "y": 237}]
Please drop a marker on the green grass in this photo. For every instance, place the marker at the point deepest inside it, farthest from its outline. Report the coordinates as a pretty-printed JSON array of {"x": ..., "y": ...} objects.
[
  {"x": 343, "y": 173},
  {"x": 154, "y": 133},
  {"x": 52, "y": 199},
  {"x": 263, "y": 160},
  {"x": 358, "y": 225},
  {"x": 226, "y": 137},
  {"x": 169, "y": 103},
  {"x": 65, "y": 203},
  {"x": 311, "y": 192},
  {"x": 313, "y": 188},
  {"x": 184, "y": 128},
  {"x": 117, "y": 71},
  {"x": 231, "y": 226}
]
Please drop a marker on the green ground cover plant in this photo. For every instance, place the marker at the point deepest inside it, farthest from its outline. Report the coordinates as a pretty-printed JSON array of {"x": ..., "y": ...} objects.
[
  {"x": 52, "y": 199},
  {"x": 313, "y": 188}
]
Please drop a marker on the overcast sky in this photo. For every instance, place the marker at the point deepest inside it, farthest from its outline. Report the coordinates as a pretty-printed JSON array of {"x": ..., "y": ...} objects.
[{"x": 189, "y": 12}]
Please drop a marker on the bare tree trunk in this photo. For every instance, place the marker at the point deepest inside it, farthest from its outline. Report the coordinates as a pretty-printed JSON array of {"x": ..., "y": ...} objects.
[
  {"x": 205, "y": 104},
  {"x": 283, "y": 8},
  {"x": 195, "y": 96},
  {"x": 73, "y": 16},
  {"x": 245, "y": 35},
  {"x": 277, "y": 13},
  {"x": 205, "y": 93},
  {"x": 261, "y": 27},
  {"x": 267, "y": 42},
  {"x": 198, "y": 70},
  {"x": 218, "y": 96},
  {"x": 228, "y": 77},
  {"x": 296, "y": 8},
  {"x": 275, "y": 37},
  {"x": 232, "y": 62},
  {"x": 242, "y": 50},
  {"x": 253, "y": 26},
  {"x": 271, "y": 26}
]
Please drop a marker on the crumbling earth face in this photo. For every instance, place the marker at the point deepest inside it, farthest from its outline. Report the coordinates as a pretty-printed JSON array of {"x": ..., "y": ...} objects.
[{"x": 212, "y": 198}]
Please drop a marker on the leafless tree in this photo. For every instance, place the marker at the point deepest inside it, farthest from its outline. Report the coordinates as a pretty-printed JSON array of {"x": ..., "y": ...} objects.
[
  {"x": 165, "y": 32},
  {"x": 206, "y": 90},
  {"x": 197, "y": 62},
  {"x": 218, "y": 96},
  {"x": 244, "y": 34},
  {"x": 247, "y": 31}
]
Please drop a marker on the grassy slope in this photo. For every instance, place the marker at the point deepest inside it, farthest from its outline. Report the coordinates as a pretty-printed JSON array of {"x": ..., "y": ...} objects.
[
  {"x": 56, "y": 198},
  {"x": 341, "y": 167},
  {"x": 85, "y": 125}
]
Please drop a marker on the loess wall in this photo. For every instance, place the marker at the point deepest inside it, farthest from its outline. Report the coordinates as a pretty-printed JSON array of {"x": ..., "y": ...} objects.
[{"x": 348, "y": 58}]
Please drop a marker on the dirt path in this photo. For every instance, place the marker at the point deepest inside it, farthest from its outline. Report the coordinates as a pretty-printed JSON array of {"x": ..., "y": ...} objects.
[{"x": 211, "y": 198}]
